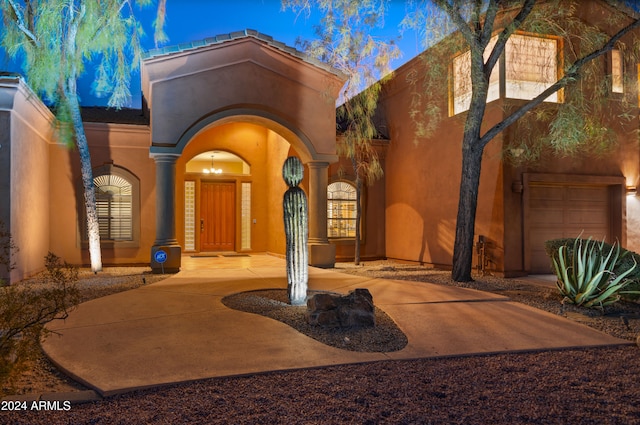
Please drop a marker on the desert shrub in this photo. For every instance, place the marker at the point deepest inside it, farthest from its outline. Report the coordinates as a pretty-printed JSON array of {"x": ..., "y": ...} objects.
[
  {"x": 7, "y": 249},
  {"x": 626, "y": 261},
  {"x": 632, "y": 291},
  {"x": 25, "y": 309},
  {"x": 585, "y": 271}
]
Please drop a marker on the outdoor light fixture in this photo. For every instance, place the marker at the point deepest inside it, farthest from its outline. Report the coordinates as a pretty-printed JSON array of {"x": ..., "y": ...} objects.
[
  {"x": 516, "y": 152},
  {"x": 212, "y": 170},
  {"x": 631, "y": 190}
]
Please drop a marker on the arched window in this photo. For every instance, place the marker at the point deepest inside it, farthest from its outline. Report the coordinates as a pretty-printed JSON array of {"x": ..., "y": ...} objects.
[
  {"x": 341, "y": 210},
  {"x": 117, "y": 205},
  {"x": 114, "y": 205}
]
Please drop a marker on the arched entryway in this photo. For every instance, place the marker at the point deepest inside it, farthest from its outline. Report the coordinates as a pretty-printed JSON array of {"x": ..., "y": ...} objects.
[
  {"x": 217, "y": 202},
  {"x": 209, "y": 98},
  {"x": 239, "y": 204}
]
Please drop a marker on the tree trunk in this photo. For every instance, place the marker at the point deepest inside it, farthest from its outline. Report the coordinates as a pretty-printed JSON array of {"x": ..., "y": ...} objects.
[
  {"x": 356, "y": 255},
  {"x": 69, "y": 89},
  {"x": 467, "y": 205},
  {"x": 93, "y": 228}
]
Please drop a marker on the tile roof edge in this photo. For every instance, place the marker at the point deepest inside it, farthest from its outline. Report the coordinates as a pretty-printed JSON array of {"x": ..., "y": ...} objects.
[{"x": 237, "y": 35}]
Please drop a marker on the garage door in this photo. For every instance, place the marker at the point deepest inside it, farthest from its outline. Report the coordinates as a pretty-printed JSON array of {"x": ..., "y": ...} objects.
[{"x": 565, "y": 211}]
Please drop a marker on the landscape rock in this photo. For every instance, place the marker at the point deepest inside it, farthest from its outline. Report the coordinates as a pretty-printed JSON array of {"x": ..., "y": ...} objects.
[{"x": 354, "y": 310}]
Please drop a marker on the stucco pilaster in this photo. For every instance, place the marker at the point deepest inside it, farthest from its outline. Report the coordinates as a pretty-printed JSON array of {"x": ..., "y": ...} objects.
[
  {"x": 165, "y": 214},
  {"x": 321, "y": 252}
]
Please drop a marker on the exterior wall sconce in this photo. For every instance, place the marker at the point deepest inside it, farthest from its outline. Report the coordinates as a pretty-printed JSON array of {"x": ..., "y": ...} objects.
[{"x": 632, "y": 190}]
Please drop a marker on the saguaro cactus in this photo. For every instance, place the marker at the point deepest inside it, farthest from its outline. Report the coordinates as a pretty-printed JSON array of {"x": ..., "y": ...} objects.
[{"x": 296, "y": 229}]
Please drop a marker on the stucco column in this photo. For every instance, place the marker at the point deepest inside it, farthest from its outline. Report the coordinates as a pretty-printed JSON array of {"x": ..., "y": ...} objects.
[
  {"x": 321, "y": 252},
  {"x": 165, "y": 216}
]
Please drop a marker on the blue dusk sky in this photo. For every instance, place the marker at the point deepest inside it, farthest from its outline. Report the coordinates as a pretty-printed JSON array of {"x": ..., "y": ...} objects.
[{"x": 190, "y": 20}]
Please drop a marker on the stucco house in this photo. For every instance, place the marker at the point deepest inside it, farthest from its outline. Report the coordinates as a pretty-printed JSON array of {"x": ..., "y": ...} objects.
[
  {"x": 519, "y": 206},
  {"x": 198, "y": 169}
]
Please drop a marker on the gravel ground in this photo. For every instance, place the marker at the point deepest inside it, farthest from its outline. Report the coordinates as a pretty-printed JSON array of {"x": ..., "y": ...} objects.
[
  {"x": 385, "y": 337},
  {"x": 587, "y": 386},
  {"x": 41, "y": 376}
]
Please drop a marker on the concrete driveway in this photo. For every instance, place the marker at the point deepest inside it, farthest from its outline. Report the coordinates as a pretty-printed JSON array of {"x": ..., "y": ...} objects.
[{"x": 178, "y": 330}]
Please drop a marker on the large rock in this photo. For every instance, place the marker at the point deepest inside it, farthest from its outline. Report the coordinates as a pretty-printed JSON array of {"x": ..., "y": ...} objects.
[{"x": 334, "y": 311}]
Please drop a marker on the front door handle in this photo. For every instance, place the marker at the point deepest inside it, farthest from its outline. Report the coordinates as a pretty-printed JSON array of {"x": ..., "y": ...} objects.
[{"x": 202, "y": 224}]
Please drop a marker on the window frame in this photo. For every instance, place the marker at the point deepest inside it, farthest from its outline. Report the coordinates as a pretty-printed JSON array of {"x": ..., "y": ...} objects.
[
  {"x": 501, "y": 71},
  {"x": 355, "y": 200},
  {"x": 494, "y": 80},
  {"x": 134, "y": 242},
  {"x": 558, "y": 63},
  {"x": 617, "y": 87}
]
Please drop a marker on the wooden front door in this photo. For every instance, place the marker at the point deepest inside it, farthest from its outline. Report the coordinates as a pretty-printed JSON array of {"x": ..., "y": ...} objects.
[{"x": 217, "y": 216}]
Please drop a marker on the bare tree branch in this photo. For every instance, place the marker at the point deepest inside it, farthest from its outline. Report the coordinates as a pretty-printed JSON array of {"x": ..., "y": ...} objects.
[
  {"x": 571, "y": 74},
  {"x": 454, "y": 13},
  {"x": 522, "y": 15},
  {"x": 20, "y": 23}
]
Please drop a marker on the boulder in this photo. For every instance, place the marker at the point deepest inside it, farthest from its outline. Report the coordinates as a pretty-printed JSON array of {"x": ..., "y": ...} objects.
[{"x": 353, "y": 310}]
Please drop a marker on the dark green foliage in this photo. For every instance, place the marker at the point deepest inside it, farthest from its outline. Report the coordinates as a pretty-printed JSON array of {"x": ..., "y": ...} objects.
[
  {"x": 7, "y": 249},
  {"x": 25, "y": 309},
  {"x": 626, "y": 261}
]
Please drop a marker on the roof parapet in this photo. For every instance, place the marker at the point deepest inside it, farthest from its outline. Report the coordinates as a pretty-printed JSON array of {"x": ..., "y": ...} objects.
[{"x": 237, "y": 35}]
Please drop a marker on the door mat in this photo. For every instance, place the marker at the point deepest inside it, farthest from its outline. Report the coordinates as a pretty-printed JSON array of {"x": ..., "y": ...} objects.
[{"x": 216, "y": 255}]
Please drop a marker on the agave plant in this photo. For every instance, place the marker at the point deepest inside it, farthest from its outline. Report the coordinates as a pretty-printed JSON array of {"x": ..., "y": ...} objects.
[{"x": 585, "y": 273}]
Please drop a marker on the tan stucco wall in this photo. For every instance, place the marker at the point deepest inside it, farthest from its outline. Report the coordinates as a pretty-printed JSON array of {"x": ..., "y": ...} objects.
[
  {"x": 186, "y": 87},
  {"x": 125, "y": 146},
  {"x": 25, "y": 134},
  {"x": 422, "y": 187},
  {"x": 28, "y": 201},
  {"x": 373, "y": 212},
  {"x": 423, "y": 175},
  {"x": 5, "y": 169},
  {"x": 633, "y": 222}
]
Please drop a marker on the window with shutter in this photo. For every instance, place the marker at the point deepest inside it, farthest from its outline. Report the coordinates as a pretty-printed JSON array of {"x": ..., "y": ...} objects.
[
  {"x": 117, "y": 193},
  {"x": 114, "y": 207}
]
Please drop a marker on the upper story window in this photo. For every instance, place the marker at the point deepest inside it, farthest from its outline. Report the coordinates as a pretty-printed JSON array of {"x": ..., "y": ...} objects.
[
  {"x": 462, "y": 80},
  {"x": 531, "y": 65},
  {"x": 341, "y": 210},
  {"x": 617, "y": 71},
  {"x": 114, "y": 207}
]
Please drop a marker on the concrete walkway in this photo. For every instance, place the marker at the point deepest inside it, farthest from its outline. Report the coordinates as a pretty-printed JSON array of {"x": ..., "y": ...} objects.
[{"x": 178, "y": 330}]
